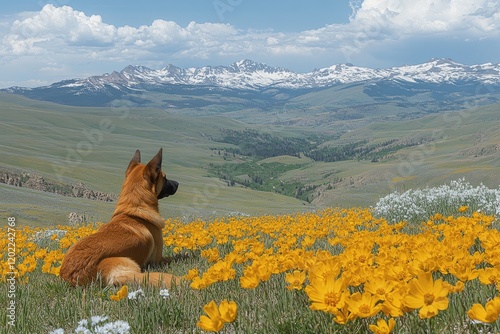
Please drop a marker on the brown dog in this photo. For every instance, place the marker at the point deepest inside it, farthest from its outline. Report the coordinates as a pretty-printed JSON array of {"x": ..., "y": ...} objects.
[{"x": 132, "y": 240}]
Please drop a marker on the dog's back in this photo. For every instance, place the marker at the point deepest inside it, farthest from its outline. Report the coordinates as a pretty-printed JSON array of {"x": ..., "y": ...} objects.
[{"x": 132, "y": 239}]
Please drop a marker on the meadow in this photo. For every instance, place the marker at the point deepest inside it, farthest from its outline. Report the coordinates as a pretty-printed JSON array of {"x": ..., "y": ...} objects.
[
  {"x": 421, "y": 260},
  {"x": 335, "y": 270}
]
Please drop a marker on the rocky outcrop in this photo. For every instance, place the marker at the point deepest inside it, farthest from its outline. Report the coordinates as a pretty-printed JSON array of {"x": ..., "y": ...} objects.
[
  {"x": 75, "y": 218},
  {"x": 81, "y": 190},
  {"x": 37, "y": 182}
]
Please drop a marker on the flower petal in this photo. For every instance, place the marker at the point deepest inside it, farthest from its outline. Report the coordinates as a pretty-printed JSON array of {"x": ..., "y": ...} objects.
[{"x": 212, "y": 310}]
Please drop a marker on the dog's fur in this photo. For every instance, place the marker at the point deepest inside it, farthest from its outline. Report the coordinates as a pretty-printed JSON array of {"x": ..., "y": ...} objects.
[{"x": 132, "y": 240}]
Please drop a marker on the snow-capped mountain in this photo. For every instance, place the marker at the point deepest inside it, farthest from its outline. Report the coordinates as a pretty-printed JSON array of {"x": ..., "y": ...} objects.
[
  {"x": 251, "y": 77},
  {"x": 446, "y": 70},
  {"x": 246, "y": 74},
  {"x": 243, "y": 74}
]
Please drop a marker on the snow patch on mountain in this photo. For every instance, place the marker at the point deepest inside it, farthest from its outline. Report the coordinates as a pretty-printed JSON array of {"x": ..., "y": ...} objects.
[{"x": 249, "y": 75}]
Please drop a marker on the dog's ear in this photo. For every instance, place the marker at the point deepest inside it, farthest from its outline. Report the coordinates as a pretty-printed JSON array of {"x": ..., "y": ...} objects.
[
  {"x": 155, "y": 164},
  {"x": 135, "y": 160}
]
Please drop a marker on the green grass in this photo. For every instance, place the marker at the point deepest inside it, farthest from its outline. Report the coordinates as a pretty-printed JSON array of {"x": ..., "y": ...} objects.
[
  {"x": 270, "y": 308},
  {"x": 94, "y": 146},
  {"x": 262, "y": 310}
]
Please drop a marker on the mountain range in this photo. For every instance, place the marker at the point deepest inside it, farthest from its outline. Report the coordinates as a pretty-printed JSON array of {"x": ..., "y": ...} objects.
[{"x": 441, "y": 83}]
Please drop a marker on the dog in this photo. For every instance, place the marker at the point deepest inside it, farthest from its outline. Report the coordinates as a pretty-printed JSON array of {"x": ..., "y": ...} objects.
[{"x": 121, "y": 249}]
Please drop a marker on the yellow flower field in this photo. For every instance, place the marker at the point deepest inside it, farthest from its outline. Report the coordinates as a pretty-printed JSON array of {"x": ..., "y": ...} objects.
[{"x": 345, "y": 263}]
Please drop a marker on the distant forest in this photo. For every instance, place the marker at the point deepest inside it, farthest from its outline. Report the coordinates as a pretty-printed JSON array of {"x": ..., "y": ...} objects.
[{"x": 252, "y": 143}]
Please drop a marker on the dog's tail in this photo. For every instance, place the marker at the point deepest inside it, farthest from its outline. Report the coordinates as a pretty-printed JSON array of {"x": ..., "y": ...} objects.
[{"x": 123, "y": 270}]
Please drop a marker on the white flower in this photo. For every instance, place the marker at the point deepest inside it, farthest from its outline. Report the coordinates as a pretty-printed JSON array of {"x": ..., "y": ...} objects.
[
  {"x": 82, "y": 330},
  {"x": 57, "y": 331},
  {"x": 418, "y": 205},
  {"x": 135, "y": 294},
  {"x": 117, "y": 327},
  {"x": 97, "y": 319},
  {"x": 83, "y": 327},
  {"x": 164, "y": 293},
  {"x": 83, "y": 323}
]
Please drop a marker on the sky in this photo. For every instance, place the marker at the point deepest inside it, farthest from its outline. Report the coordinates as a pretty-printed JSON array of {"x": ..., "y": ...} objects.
[{"x": 43, "y": 42}]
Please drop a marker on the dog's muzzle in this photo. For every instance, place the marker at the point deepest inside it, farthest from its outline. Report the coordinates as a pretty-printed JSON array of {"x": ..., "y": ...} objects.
[{"x": 169, "y": 188}]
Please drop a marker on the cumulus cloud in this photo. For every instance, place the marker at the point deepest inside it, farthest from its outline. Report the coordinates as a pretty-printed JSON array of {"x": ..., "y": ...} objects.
[
  {"x": 372, "y": 20},
  {"x": 54, "y": 28},
  {"x": 375, "y": 22},
  {"x": 64, "y": 23},
  {"x": 470, "y": 17},
  {"x": 53, "y": 33}
]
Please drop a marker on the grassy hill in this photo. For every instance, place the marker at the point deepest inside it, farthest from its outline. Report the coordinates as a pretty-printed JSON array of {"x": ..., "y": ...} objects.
[
  {"x": 453, "y": 145},
  {"x": 94, "y": 145}
]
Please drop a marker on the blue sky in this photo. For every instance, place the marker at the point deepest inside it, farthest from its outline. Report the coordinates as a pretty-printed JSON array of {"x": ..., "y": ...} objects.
[
  {"x": 47, "y": 41},
  {"x": 244, "y": 14}
]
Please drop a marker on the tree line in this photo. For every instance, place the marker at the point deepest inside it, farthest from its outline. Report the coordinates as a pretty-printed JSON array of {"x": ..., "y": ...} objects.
[{"x": 252, "y": 143}]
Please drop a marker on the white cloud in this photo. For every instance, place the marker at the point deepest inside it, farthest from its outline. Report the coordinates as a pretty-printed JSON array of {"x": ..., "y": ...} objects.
[
  {"x": 377, "y": 22},
  {"x": 71, "y": 38},
  {"x": 56, "y": 29},
  {"x": 470, "y": 17},
  {"x": 63, "y": 23}
]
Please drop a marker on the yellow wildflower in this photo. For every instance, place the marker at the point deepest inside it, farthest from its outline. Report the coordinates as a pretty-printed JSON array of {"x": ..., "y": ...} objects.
[
  {"x": 490, "y": 276},
  {"x": 458, "y": 287},
  {"x": 211, "y": 255},
  {"x": 211, "y": 322},
  {"x": 40, "y": 253},
  {"x": 191, "y": 274},
  {"x": 295, "y": 280},
  {"x": 327, "y": 295},
  {"x": 216, "y": 317},
  {"x": 487, "y": 314},
  {"x": 363, "y": 305},
  {"x": 120, "y": 294},
  {"x": 379, "y": 287},
  {"x": 228, "y": 310},
  {"x": 394, "y": 305},
  {"x": 427, "y": 295},
  {"x": 383, "y": 327},
  {"x": 198, "y": 283},
  {"x": 249, "y": 280}
]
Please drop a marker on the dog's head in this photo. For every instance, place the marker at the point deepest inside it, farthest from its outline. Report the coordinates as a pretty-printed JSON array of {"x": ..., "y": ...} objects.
[{"x": 152, "y": 173}]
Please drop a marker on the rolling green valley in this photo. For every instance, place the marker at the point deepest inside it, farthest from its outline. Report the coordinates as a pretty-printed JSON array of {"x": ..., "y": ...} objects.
[{"x": 57, "y": 159}]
